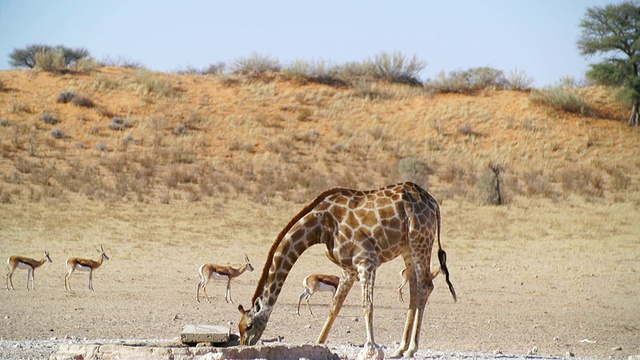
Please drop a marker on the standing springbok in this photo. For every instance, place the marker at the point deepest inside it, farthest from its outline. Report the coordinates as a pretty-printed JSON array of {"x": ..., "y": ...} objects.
[
  {"x": 405, "y": 278},
  {"x": 317, "y": 282},
  {"x": 22, "y": 262},
  {"x": 209, "y": 271},
  {"x": 79, "y": 264}
]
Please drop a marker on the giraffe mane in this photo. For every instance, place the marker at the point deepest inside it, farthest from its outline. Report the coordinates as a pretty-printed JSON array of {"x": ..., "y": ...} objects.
[{"x": 285, "y": 230}]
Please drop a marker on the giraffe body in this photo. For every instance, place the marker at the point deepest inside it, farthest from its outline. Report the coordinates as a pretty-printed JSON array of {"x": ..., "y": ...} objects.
[{"x": 361, "y": 230}]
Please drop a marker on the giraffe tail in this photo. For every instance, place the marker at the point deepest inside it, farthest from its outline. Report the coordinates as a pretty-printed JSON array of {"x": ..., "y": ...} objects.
[{"x": 442, "y": 257}]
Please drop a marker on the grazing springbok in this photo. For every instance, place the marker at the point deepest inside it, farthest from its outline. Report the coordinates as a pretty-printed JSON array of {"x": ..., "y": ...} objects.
[
  {"x": 209, "y": 271},
  {"x": 405, "y": 278},
  {"x": 22, "y": 262},
  {"x": 79, "y": 264},
  {"x": 317, "y": 282}
]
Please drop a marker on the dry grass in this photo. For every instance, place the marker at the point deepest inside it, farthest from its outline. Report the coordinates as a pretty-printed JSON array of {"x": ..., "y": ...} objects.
[{"x": 160, "y": 137}]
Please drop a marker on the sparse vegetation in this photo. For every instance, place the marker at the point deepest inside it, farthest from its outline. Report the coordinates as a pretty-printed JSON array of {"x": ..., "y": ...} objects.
[
  {"x": 293, "y": 137},
  {"x": 255, "y": 64},
  {"x": 562, "y": 98}
]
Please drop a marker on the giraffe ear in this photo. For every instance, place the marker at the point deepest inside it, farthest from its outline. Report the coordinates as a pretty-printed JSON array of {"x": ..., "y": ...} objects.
[{"x": 257, "y": 305}]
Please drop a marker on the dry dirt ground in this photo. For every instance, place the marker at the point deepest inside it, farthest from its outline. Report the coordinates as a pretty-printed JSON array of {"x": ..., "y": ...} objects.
[{"x": 558, "y": 276}]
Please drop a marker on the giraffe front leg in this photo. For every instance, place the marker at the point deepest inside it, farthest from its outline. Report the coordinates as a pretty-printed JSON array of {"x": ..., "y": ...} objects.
[
  {"x": 346, "y": 282},
  {"x": 367, "y": 279}
]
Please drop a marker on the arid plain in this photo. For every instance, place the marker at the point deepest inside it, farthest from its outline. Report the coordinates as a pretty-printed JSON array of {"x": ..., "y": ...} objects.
[{"x": 212, "y": 168}]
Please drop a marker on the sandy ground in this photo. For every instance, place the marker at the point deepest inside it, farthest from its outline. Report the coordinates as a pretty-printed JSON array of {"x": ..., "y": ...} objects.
[{"x": 555, "y": 277}]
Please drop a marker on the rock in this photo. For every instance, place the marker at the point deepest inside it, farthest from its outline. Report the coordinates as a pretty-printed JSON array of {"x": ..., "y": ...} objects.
[
  {"x": 616, "y": 348},
  {"x": 171, "y": 351},
  {"x": 569, "y": 354},
  {"x": 533, "y": 350}
]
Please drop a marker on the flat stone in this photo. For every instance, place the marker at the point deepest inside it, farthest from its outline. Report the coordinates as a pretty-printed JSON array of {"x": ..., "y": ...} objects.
[
  {"x": 195, "y": 334},
  {"x": 139, "y": 350}
]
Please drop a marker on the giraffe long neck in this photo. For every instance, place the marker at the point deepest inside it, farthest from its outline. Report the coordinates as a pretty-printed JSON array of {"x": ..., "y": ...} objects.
[{"x": 283, "y": 255}]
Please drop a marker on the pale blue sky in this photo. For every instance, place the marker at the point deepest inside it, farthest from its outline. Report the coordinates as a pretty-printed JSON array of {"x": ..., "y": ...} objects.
[{"x": 535, "y": 36}]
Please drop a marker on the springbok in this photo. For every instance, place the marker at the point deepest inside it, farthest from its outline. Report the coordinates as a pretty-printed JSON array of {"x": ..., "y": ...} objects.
[
  {"x": 209, "y": 271},
  {"x": 317, "y": 282},
  {"x": 79, "y": 264},
  {"x": 405, "y": 278},
  {"x": 22, "y": 262}
]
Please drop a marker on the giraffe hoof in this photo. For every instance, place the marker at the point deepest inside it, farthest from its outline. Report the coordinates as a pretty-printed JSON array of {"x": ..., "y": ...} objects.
[{"x": 370, "y": 352}]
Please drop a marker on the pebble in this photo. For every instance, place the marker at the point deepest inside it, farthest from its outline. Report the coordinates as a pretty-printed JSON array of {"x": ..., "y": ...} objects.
[
  {"x": 569, "y": 354},
  {"x": 533, "y": 350},
  {"x": 616, "y": 348}
]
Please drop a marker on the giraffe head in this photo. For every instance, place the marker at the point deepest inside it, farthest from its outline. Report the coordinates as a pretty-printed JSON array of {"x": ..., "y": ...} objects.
[{"x": 252, "y": 323}]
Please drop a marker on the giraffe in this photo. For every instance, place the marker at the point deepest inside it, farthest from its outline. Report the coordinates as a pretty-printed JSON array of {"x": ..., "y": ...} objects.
[{"x": 361, "y": 230}]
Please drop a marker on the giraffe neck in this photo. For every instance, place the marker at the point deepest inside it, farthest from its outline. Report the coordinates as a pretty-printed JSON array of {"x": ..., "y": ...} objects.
[{"x": 279, "y": 266}]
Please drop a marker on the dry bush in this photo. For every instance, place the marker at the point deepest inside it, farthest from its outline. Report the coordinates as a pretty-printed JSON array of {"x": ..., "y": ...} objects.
[
  {"x": 51, "y": 61},
  {"x": 415, "y": 170},
  {"x": 620, "y": 181},
  {"x": 536, "y": 184},
  {"x": 564, "y": 98},
  {"x": 518, "y": 80},
  {"x": 255, "y": 64},
  {"x": 152, "y": 83},
  {"x": 582, "y": 181},
  {"x": 397, "y": 68}
]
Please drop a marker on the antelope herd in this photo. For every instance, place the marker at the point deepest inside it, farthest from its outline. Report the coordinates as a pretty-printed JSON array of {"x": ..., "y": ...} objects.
[{"x": 312, "y": 283}]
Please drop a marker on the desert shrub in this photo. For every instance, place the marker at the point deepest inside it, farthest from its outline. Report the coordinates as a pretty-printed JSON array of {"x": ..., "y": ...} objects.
[
  {"x": 151, "y": 83},
  {"x": 351, "y": 71},
  {"x": 452, "y": 83},
  {"x": 215, "y": 69},
  {"x": 484, "y": 77},
  {"x": 397, "y": 68},
  {"x": 74, "y": 98},
  {"x": 58, "y": 134},
  {"x": 319, "y": 71},
  {"x": 120, "y": 61},
  {"x": 255, "y": 64},
  {"x": 85, "y": 65},
  {"x": 5, "y": 196},
  {"x": 619, "y": 179},
  {"x": 51, "y": 61},
  {"x": 518, "y": 80},
  {"x": 82, "y": 101},
  {"x": 48, "y": 119},
  {"x": 180, "y": 130},
  {"x": 66, "y": 96},
  {"x": 101, "y": 147},
  {"x": 415, "y": 170},
  {"x": 535, "y": 184},
  {"x": 562, "y": 98},
  {"x": 451, "y": 172},
  {"x": 118, "y": 123},
  {"x": 582, "y": 181},
  {"x": 3, "y": 87},
  {"x": 5, "y": 123},
  {"x": 64, "y": 56},
  {"x": 467, "y": 81}
]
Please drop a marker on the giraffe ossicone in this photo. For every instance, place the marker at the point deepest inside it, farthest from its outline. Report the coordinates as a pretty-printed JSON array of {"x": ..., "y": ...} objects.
[{"x": 361, "y": 230}]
